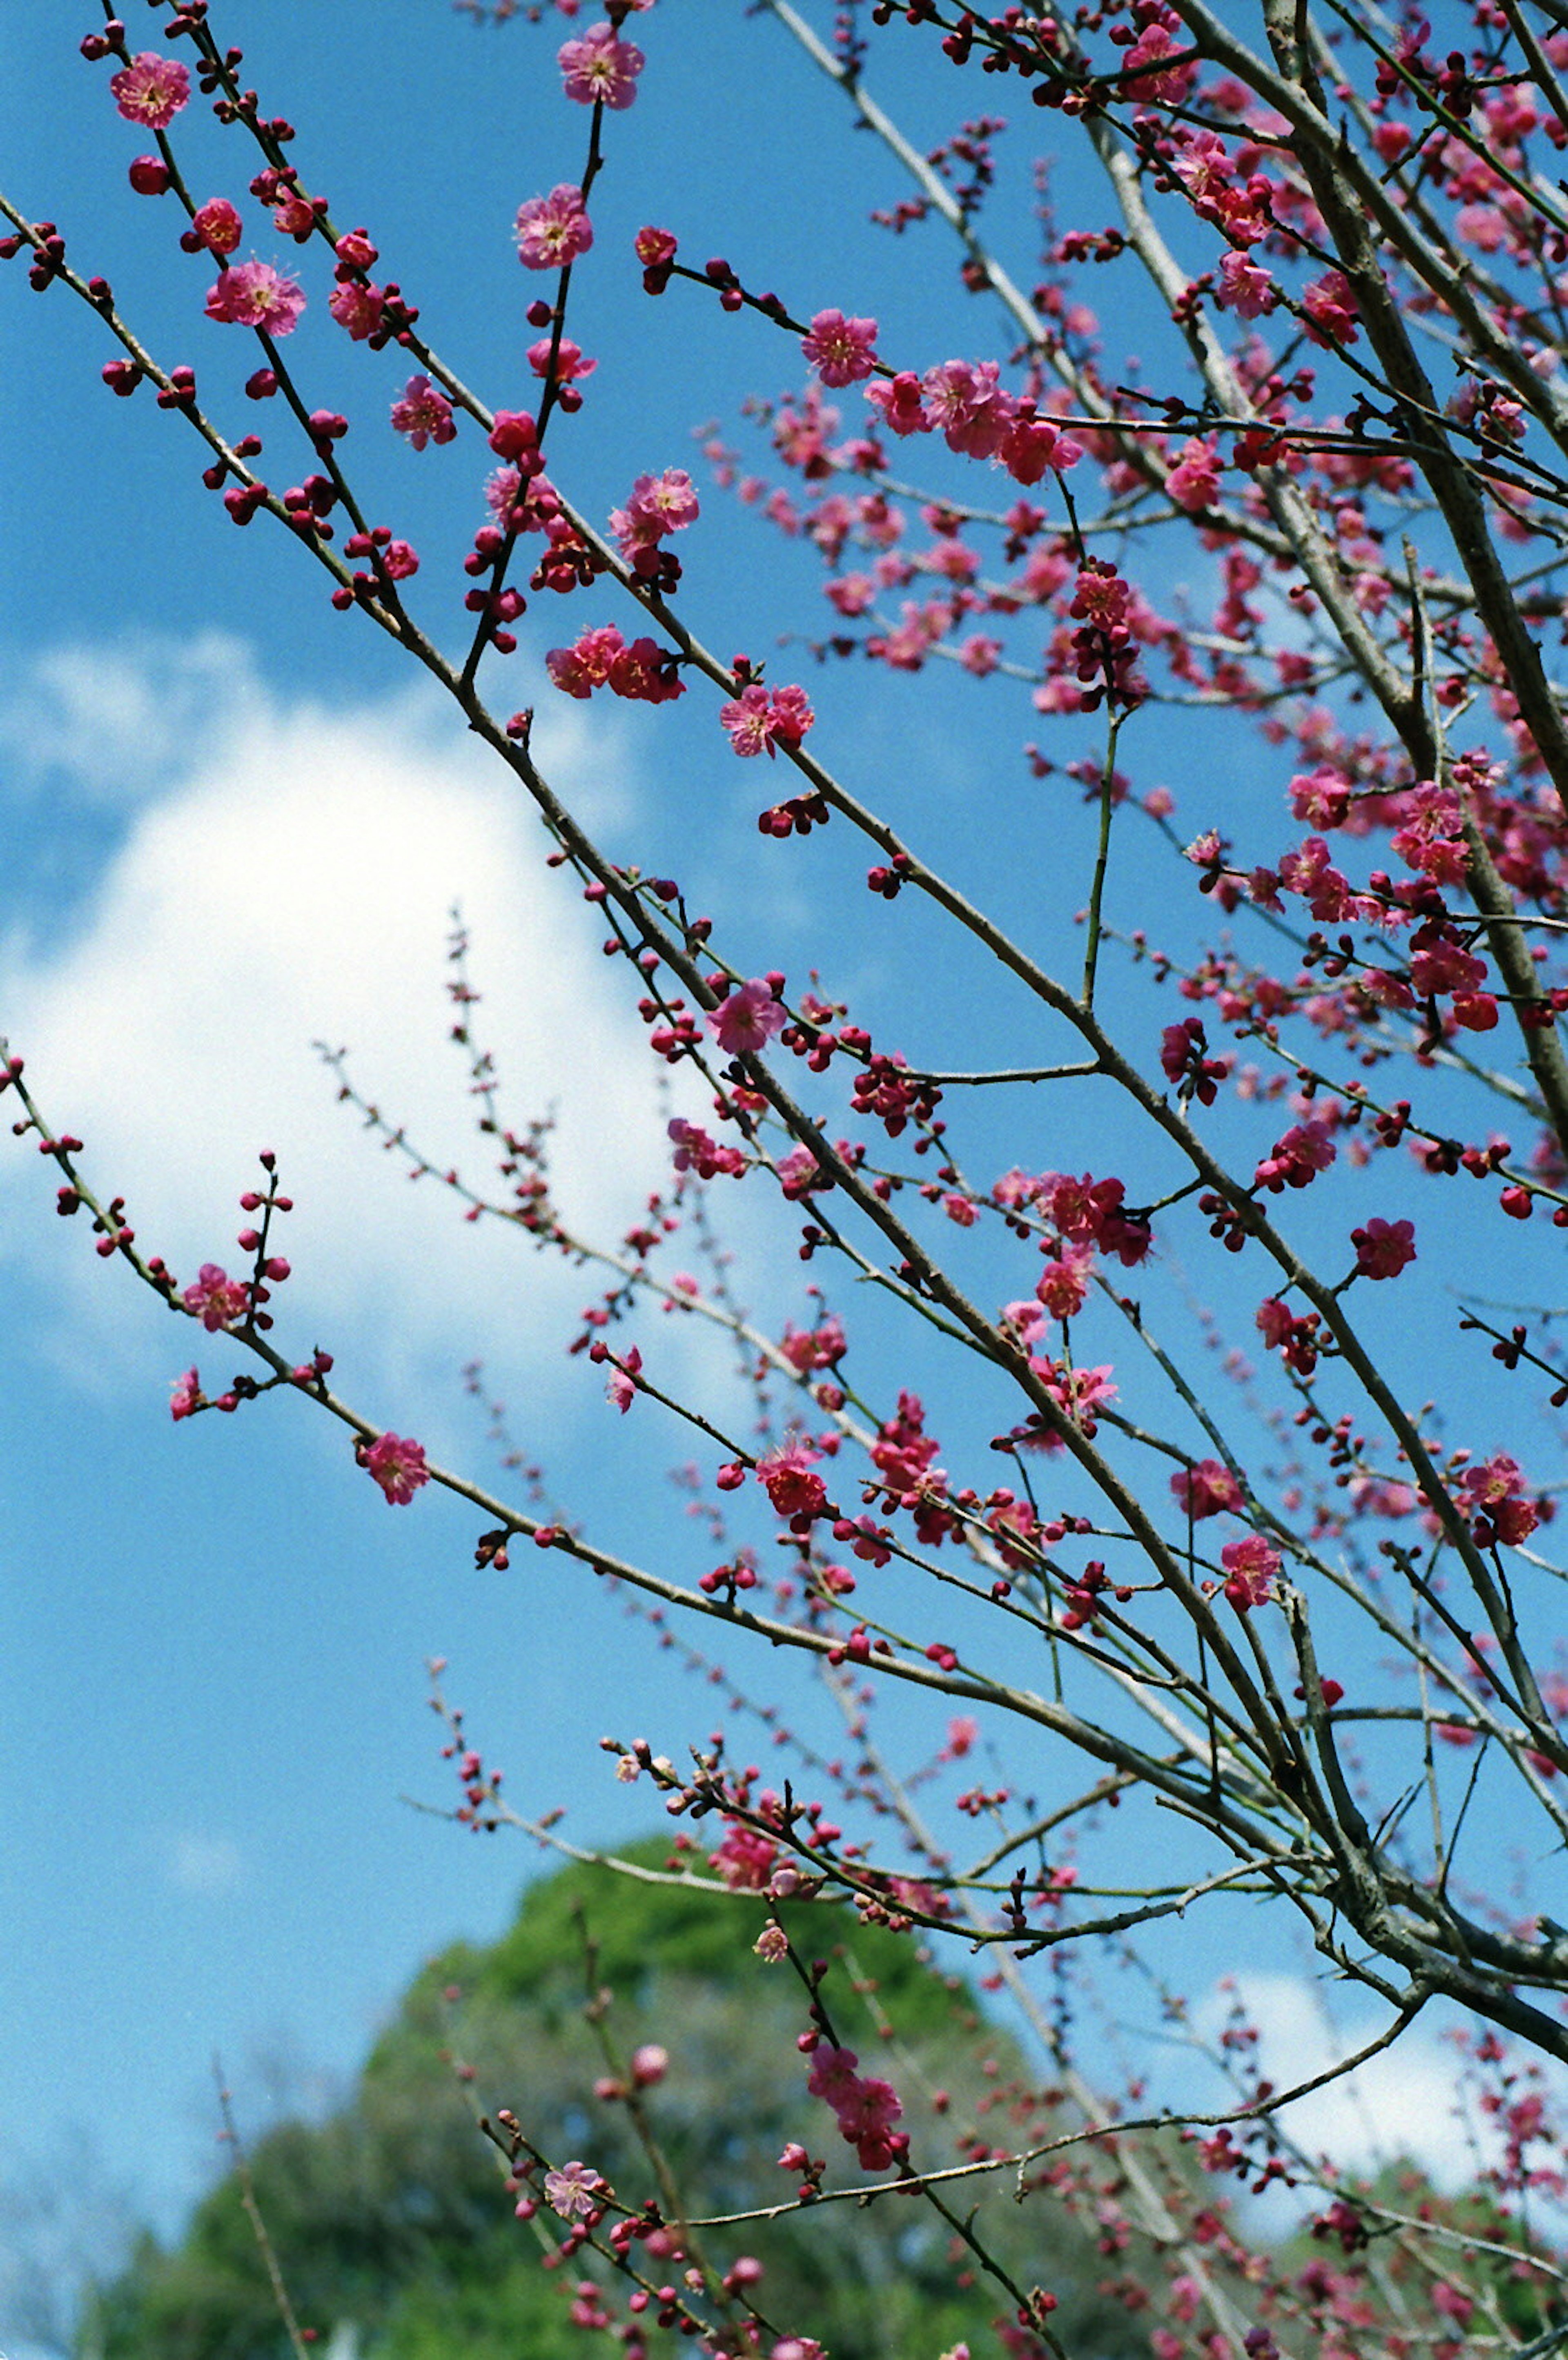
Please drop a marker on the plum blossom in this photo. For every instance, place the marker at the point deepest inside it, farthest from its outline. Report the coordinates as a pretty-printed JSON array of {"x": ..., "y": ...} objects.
[
  {"x": 1206, "y": 1489},
  {"x": 756, "y": 722},
  {"x": 841, "y": 351},
  {"x": 397, "y": 1465},
  {"x": 787, "y": 1477},
  {"x": 600, "y": 69},
  {"x": 572, "y": 2191},
  {"x": 658, "y": 505},
  {"x": 1383, "y": 1248},
  {"x": 357, "y": 307},
  {"x": 217, "y": 225},
  {"x": 745, "y": 1022},
  {"x": 553, "y": 231},
  {"x": 866, "y": 2106},
  {"x": 1494, "y": 1501},
  {"x": 622, "y": 1385},
  {"x": 1194, "y": 482},
  {"x": 255, "y": 295},
  {"x": 568, "y": 364},
  {"x": 216, "y": 1299},
  {"x": 1250, "y": 1567},
  {"x": 423, "y": 412},
  {"x": 187, "y": 1396},
  {"x": 151, "y": 89}
]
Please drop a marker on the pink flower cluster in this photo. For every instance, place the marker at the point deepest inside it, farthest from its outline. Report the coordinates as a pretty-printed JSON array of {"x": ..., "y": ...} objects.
[
  {"x": 602, "y": 658},
  {"x": 1383, "y": 1248},
  {"x": 554, "y": 231},
  {"x": 1250, "y": 1565},
  {"x": 759, "y": 723},
  {"x": 397, "y": 1465},
  {"x": 659, "y": 505},
  {"x": 1206, "y": 1489},
  {"x": 866, "y": 2107},
  {"x": 1493, "y": 1499},
  {"x": 695, "y": 1152},
  {"x": 965, "y": 402}
]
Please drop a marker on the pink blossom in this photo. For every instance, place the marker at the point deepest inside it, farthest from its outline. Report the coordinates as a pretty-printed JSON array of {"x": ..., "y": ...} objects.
[
  {"x": 218, "y": 225},
  {"x": 1494, "y": 1502},
  {"x": 423, "y": 412},
  {"x": 151, "y": 89},
  {"x": 899, "y": 403},
  {"x": 841, "y": 351},
  {"x": 572, "y": 2191},
  {"x": 622, "y": 1385},
  {"x": 658, "y": 505},
  {"x": 553, "y": 231},
  {"x": 745, "y": 1857},
  {"x": 600, "y": 69},
  {"x": 397, "y": 1465},
  {"x": 756, "y": 721},
  {"x": 1063, "y": 1284},
  {"x": 1244, "y": 287},
  {"x": 1383, "y": 1248},
  {"x": 217, "y": 1300},
  {"x": 255, "y": 295},
  {"x": 1206, "y": 1489},
  {"x": 772, "y": 1945},
  {"x": 650, "y": 2063},
  {"x": 787, "y": 1477},
  {"x": 357, "y": 308},
  {"x": 798, "y": 1173},
  {"x": 1194, "y": 482},
  {"x": 187, "y": 1396},
  {"x": 568, "y": 365},
  {"x": 1330, "y": 306},
  {"x": 747, "y": 1020},
  {"x": 966, "y": 404},
  {"x": 1250, "y": 1567}
]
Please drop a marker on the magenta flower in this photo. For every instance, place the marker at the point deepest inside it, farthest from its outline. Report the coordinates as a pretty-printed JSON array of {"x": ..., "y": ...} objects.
[
  {"x": 787, "y": 1475},
  {"x": 1383, "y": 1248},
  {"x": 756, "y": 722},
  {"x": 216, "y": 1299},
  {"x": 397, "y": 1465},
  {"x": 598, "y": 70},
  {"x": 218, "y": 225},
  {"x": 658, "y": 505},
  {"x": 553, "y": 231},
  {"x": 423, "y": 412},
  {"x": 1250, "y": 1567},
  {"x": 1194, "y": 482},
  {"x": 357, "y": 308},
  {"x": 151, "y": 89},
  {"x": 1206, "y": 1489},
  {"x": 570, "y": 364},
  {"x": 746, "y": 1021},
  {"x": 572, "y": 2190},
  {"x": 622, "y": 1385},
  {"x": 841, "y": 351},
  {"x": 255, "y": 295},
  {"x": 187, "y": 1396}
]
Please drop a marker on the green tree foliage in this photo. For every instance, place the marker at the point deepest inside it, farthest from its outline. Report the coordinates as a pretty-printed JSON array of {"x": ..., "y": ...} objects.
[{"x": 392, "y": 2218}]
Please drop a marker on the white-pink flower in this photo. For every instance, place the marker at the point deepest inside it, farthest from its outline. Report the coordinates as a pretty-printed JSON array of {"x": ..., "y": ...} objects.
[
  {"x": 572, "y": 2190},
  {"x": 553, "y": 231}
]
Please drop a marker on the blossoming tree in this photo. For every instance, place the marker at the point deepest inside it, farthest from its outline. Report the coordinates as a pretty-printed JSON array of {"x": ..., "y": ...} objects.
[{"x": 1262, "y": 1548}]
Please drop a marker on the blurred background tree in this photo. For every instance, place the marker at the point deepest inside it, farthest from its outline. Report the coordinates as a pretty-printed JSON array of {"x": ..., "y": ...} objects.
[{"x": 392, "y": 2224}]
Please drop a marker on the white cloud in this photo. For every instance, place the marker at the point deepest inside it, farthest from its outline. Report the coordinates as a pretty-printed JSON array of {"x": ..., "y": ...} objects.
[
  {"x": 291, "y": 879},
  {"x": 202, "y": 1865}
]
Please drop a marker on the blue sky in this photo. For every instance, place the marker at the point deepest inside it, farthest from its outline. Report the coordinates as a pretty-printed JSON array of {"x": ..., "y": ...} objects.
[{"x": 234, "y": 826}]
